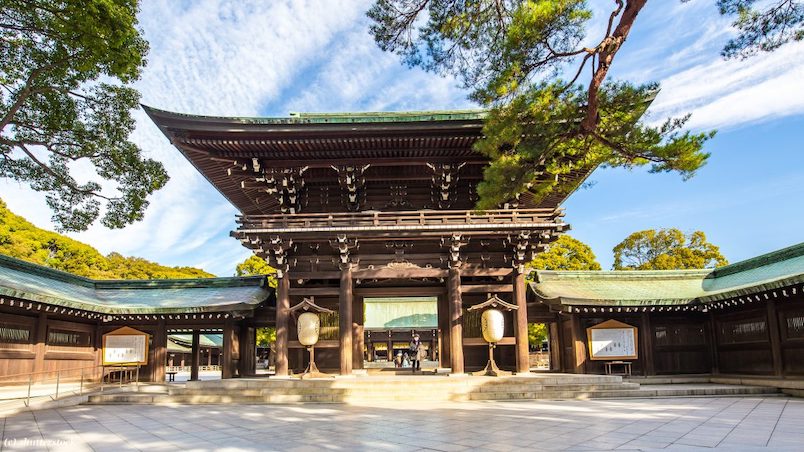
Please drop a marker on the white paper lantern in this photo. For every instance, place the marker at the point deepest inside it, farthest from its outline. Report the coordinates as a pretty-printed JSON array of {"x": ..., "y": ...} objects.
[
  {"x": 308, "y": 327},
  {"x": 492, "y": 323}
]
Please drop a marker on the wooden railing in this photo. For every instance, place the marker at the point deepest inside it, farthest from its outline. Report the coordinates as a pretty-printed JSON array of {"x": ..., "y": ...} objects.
[
  {"x": 88, "y": 376},
  {"x": 403, "y": 218}
]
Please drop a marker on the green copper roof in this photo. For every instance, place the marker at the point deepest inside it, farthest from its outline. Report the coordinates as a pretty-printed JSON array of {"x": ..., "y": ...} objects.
[
  {"x": 619, "y": 288},
  {"x": 394, "y": 116},
  {"x": 774, "y": 270},
  {"x": 32, "y": 282},
  {"x": 204, "y": 340},
  {"x": 335, "y": 118}
]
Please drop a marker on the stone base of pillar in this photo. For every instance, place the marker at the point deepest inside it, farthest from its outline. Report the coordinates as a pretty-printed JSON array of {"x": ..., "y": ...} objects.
[{"x": 458, "y": 375}]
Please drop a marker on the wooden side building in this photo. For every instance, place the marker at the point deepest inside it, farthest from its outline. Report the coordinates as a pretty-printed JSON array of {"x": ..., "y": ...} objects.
[{"x": 746, "y": 318}]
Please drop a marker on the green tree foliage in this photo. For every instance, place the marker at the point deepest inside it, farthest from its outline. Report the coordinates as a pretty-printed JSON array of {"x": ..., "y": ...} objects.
[
  {"x": 22, "y": 240},
  {"x": 139, "y": 268},
  {"x": 537, "y": 333},
  {"x": 666, "y": 249},
  {"x": 541, "y": 130},
  {"x": 265, "y": 336},
  {"x": 65, "y": 108},
  {"x": 256, "y": 266},
  {"x": 566, "y": 253},
  {"x": 762, "y": 29}
]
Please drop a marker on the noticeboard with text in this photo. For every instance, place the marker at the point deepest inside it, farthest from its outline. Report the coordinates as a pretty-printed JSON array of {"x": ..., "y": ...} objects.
[
  {"x": 125, "y": 346},
  {"x": 612, "y": 340}
]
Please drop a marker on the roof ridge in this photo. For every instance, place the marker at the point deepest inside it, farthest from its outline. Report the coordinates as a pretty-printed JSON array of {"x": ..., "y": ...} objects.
[
  {"x": 220, "y": 281},
  {"x": 333, "y": 117},
  {"x": 762, "y": 260},
  {"x": 70, "y": 278},
  {"x": 542, "y": 275}
]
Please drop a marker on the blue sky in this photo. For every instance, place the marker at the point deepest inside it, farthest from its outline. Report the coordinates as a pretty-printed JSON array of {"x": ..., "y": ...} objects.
[{"x": 251, "y": 58}]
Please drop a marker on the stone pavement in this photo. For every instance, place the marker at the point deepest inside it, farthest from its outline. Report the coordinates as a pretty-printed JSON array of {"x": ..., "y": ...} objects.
[{"x": 645, "y": 424}]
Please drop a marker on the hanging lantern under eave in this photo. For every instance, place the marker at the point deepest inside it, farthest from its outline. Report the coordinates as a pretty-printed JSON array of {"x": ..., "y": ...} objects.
[
  {"x": 492, "y": 323},
  {"x": 308, "y": 327}
]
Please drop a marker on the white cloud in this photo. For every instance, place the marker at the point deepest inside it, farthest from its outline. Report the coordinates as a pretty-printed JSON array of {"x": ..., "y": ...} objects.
[
  {"x": 358, "y": 76},
  {"x": 731, "y": 93}
]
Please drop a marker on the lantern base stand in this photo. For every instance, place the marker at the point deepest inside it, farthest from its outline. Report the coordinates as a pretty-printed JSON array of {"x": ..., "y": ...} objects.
[
  {"x": 491, "y": 369},
  {"x": 312, "y": 370}
]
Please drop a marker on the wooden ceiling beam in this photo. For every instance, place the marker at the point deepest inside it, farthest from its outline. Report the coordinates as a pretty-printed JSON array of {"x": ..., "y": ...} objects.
[{"x": 375, "y": 162}]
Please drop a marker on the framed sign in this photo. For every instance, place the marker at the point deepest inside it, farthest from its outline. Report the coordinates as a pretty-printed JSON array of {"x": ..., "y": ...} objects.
[
  {"x": 125, "y": 346},
  {"x": 612, "y": 340}
]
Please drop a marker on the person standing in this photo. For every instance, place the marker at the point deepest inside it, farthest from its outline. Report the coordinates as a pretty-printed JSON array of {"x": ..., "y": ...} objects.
[{"x": 417, "y": 353}]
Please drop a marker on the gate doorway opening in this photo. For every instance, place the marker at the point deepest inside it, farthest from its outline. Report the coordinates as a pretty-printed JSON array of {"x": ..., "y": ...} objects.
[
  {"x": 539, "y": 346},
  {"x": 207, "y": 346},
  {"x": 389, "y": 326}
]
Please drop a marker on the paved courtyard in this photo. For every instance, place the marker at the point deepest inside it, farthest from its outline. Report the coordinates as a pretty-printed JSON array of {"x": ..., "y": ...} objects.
[{"x": 670, "y": 424}]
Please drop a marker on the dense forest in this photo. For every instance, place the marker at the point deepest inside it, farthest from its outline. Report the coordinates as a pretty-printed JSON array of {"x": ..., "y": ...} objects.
[{"x": 21, "y": 239}]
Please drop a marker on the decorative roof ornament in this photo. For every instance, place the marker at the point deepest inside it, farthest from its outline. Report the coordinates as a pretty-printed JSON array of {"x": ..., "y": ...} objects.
[
  {"x": 493, "y": 302},
  {"x": 445, "y": 183},
  {"x": 352, "y": 182},
  {"x": 308, "y": 305},
  {"x": 345, "y": 247}
]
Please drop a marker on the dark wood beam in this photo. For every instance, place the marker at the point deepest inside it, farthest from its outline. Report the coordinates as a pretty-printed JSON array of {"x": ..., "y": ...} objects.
[
  {"x": 314, "y": 291},
  {"x": 487, "y": 288},
  {"x": 400, "y": 273}
]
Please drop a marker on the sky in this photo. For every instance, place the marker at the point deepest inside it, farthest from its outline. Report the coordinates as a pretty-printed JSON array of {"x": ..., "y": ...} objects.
[{"x": 256, "y": 58}]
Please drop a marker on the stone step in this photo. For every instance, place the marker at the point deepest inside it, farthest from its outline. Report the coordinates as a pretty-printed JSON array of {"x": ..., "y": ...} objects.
[
  {"x": 390, "y": 390},
  {"x": 670, "y": 379},
  {"x": 412, "y": 382},
  {"x": 328, "y": 395}
]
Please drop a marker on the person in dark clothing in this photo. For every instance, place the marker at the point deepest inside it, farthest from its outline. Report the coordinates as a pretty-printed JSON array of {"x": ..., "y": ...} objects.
[{"x": 417, "y": 353}]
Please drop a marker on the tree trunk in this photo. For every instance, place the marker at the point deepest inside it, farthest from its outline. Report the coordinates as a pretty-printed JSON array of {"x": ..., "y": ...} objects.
[{"x": 604, "y": 60}]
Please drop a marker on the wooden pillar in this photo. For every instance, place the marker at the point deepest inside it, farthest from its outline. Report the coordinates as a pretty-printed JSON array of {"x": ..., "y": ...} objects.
[
  {"x": 195, "y": 355},
  {"x": 444, "y": 355},
  {"x": 555, "y": 345},
  {"x": 521, "y": 322},
  {"x": 39, "y": 346},
  {"x": 775, "y": 338},
  {"x": 160, "y": 352},
  {"x": 578, "y": 345},
  {"x": 456, "y": 320},
  {"x": 713, "y": 343},
  {"x": 345, "y": 319},
  {"x": 358, "y": 339},
  {"x": 390, "y": 352},
  {"x": 247, "y": 364},
  {"x": 647, "y": 345},
  {"x": 228, "y": 367},
  {"x": 282, "y": 321}
]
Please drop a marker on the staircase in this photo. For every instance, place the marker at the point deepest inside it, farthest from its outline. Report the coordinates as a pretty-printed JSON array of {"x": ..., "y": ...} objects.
[{"x": 420, "y": 388}]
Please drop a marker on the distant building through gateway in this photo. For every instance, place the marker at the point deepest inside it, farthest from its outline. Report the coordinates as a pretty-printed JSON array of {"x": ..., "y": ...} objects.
[{"x": 372, "y": 215}]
